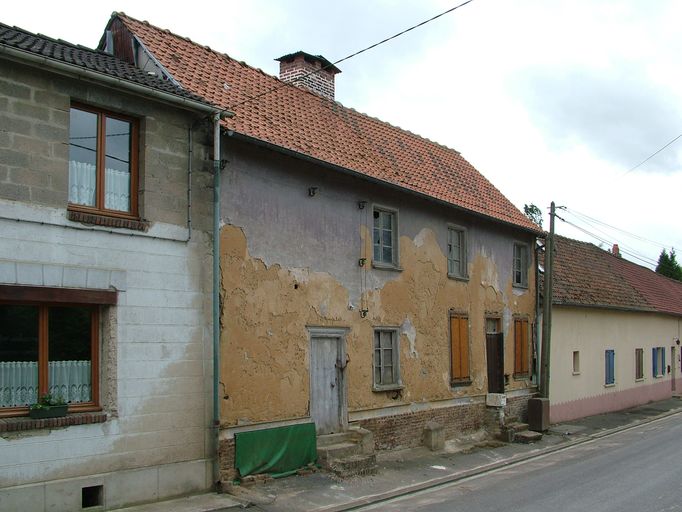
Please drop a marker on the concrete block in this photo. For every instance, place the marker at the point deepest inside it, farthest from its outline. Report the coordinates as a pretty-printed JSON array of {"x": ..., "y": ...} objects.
[
  {"x": 67, "y": 495},
  {"x": 14, "y": 192},
  {"x": 52, "y": 275},
  {"x": 182, "y": 478},
  {"x": 29, "y": 498},
  {"x": 8, "y": 272},
  {"x": 13, "y": 89},
  {"x": 98, "y": 279},
  {"x": 125, "y": 487},
  {"x": 538, "y": 414},
  {"x": 434, "y": 436},
  {"x": 30, "y": 274},
  {"x": 75, "y": 277},
  {"x": 496, "y": 400},
  {"x": 119, "y": 280}
]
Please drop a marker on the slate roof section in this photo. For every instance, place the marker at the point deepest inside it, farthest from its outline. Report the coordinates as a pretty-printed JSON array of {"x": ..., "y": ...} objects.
[
  {"x": 585, "y": 275},
  {"x": 305, "y": 123},
  {"x": 82, "y": 57}
]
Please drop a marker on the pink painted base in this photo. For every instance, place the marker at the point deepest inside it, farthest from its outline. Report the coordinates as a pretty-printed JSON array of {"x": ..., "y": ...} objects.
[{"x": 614, "y": 401}]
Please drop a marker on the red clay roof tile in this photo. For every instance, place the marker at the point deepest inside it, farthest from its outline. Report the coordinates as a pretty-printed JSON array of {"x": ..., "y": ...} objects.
[
  {"x": 303, "y": 122},
  {"x": 586, "y": 275}
]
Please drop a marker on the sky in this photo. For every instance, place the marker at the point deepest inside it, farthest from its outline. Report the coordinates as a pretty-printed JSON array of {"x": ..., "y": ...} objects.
[{"x": 551, "y": 101}]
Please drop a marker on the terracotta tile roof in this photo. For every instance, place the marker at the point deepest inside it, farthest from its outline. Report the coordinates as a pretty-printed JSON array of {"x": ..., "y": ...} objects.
[
  {"x": 306, "y": 123},
  {"x": 586, "y": 275},
  {"x": 82, "y": 57}
]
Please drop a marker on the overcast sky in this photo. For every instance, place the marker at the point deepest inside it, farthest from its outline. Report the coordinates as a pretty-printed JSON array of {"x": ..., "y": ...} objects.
[{"x": 550, "y": 100}]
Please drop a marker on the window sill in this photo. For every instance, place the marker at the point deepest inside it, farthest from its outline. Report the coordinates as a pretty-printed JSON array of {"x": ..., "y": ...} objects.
[
  {"x": 386, "y": 266},
  {"x": 521, "y": 376},
  {"x": 520, "y": 286},
  {"x": 576, "y": 373},
  {"x": 24, "y": 423},
  {"x": 658, "y": 376},
  {"x": 610, "y": 385},
  {"x": 99, "y": 219},
  {"x": 460, "y": 383},
  {"x": 394, "y": 387},
  {"x": 639, "y": 380},
  {"x": 455, "y": 277}
]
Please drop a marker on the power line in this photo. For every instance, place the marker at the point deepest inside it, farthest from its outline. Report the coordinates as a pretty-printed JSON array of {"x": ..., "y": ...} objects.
[
  {"x": 639, "y": 257},
  {"x": 632, "y": 235},
  {"x": 651, "y": 156},
  {"x": 303, "y": 77}
]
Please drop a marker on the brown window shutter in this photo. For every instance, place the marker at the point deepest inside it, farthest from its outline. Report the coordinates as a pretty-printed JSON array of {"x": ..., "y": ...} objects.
[{"x": 459, "y": 347}]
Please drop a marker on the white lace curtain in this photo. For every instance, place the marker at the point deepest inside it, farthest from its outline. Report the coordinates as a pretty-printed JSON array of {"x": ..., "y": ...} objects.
[
  {"x": 70, "y": 380},
  {"x": 83, "y": 185}
]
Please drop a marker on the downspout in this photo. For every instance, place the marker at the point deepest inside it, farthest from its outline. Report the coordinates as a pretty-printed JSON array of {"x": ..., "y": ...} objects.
[
  {"x": 216, "y": 297},
  {"x": 189, "y": 181}
]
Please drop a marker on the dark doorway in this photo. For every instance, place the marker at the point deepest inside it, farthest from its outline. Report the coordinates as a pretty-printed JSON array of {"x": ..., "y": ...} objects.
[{"x": 494, "y": 348}]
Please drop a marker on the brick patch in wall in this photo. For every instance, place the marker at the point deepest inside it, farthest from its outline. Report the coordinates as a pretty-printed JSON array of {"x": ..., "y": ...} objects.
[
  {"x": 226, "y": 449},
  {"x": 25, "y": 423},
  {"x": 406, "y": 430},
  {"x": 517, "y": 408},
  {"x": 111, "y": 222}
]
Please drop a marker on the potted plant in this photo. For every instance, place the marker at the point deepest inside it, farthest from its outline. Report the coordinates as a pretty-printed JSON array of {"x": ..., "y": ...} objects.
[{"x": 48, "y": 406}]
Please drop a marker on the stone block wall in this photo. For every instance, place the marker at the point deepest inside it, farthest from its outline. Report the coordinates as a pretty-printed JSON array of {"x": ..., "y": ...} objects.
[{"x": 153, "y": 438}]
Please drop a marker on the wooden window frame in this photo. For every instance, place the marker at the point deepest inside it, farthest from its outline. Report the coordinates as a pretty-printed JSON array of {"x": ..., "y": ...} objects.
[
  {"x": 461, "y": 358},
  {"x": 461, "y": 232},
  {"x": 394, "y": 264},
  {"x": 43, "y": 355},
  {"x": 99, "y": 208},
  {"x": 576, "y": 362},
  {"x": 523, "y": 268},
  {"x": 395, "y": 359},
  {"x": 639, "y": 364},
  {"x": 521, "y": 347}
]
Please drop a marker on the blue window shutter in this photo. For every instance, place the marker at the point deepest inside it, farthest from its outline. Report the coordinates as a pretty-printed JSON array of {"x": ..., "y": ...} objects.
[
  {"x": 609, "y": 367},
  {"x": 655, "y": 362},
  {"x": 663, "y": 360}
]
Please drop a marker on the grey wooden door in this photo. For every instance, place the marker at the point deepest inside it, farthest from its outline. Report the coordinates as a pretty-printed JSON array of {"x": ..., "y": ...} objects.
[{"x": 326, "y": 384}]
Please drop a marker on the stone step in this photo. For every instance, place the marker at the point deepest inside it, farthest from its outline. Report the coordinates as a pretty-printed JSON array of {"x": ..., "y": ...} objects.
[
  {"x": 355, "y": 465},
  {"x": 327, "y": 454},
  {"x": 340, "y": 437},
  {"x": 527, "y": 437},
  {"x": 518, "y": 426}
]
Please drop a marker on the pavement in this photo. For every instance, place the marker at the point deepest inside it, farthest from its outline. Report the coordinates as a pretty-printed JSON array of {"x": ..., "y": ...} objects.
[{"x": 410, "y": 470}]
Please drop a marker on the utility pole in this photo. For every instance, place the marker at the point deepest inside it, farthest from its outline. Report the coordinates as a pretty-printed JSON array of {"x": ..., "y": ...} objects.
[{"x": 547, "y": 306}]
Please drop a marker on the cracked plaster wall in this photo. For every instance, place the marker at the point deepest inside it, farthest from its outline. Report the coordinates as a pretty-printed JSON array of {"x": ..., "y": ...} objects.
[{"x": 289, "y": 260}]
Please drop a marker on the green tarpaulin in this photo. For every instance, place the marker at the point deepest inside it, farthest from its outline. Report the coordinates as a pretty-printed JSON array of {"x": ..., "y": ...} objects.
[{"x": 277, "y": 451}]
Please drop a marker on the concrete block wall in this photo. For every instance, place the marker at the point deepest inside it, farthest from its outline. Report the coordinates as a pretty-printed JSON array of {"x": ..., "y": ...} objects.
[{"x": 155, "y": 343}]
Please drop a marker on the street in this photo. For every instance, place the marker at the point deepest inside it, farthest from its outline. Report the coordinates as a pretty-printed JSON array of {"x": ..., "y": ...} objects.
[{"x": 635, "y": 470}]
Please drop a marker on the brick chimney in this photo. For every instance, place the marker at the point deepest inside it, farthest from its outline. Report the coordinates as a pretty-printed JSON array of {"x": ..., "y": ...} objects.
[
  {"x": 615, "y": 251},
  {"x": 296, "y": 68}
]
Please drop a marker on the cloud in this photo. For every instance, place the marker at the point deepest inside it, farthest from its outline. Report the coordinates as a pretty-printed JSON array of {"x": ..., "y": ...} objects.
[{"x": 619, "y": 114}]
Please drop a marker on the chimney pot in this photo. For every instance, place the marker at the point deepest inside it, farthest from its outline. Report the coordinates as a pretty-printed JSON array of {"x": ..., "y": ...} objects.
[{"x": 615, "y": 251}]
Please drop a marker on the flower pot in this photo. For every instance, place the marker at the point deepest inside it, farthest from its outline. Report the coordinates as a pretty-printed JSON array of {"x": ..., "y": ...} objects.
[{"x": 53, "y": 411}]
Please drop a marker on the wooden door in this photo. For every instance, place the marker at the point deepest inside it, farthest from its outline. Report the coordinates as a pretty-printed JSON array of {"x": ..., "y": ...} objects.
[
  {"x": 326, "y": 384},
  {"x": 494, "y": 345}
]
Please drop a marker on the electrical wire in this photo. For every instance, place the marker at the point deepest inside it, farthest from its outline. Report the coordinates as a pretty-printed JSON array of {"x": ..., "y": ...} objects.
[
  {"x": 632, "y": 235},
  {"x": 643, "y": 259},
  {"x": 651, "y": 156},
  {"x": 355, "y": 54}
]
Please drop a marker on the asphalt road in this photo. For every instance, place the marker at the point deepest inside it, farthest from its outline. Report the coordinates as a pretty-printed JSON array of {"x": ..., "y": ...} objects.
[{"x": 636, "y": 470}]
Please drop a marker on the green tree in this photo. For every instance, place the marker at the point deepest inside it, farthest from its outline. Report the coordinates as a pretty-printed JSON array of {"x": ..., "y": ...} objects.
[
  {"x": 533, "y": 213},
  {"x": 668, "y": 266}
]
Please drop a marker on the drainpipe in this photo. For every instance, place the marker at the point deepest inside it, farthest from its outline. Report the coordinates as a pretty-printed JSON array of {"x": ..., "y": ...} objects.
[
  {"x": 216, "y": 296},
  {"x": 216, "y": 288}
]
